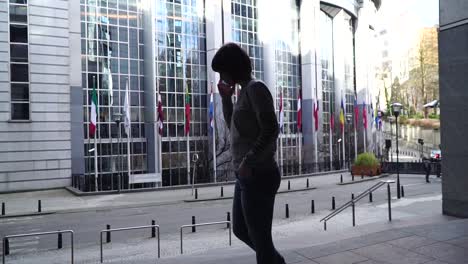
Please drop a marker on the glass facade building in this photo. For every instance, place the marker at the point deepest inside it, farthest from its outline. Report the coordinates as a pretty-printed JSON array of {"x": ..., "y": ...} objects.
[{"x": 152, "y": 48}]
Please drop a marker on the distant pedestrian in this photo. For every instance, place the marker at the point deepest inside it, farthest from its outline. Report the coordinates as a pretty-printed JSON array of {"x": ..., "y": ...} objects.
[
  {"x": 254, "y": 132},
  {"x": 427, "y": 168}
]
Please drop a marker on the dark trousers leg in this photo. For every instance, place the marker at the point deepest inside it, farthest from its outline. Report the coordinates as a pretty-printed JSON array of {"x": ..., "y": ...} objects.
[
  {"x": 252, "y": 221},
  {"x": 239, "y": 225}
]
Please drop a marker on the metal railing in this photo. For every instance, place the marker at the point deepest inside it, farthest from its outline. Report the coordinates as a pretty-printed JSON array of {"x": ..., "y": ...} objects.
[
  {"x": 353, "y": 201},
  {"x": 204, "y": 224},
  {"x": 130, "y": 228},
  {"x": 40, "y": 234}
]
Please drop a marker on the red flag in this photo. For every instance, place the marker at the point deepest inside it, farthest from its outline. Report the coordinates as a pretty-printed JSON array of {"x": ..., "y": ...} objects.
[
  {"x": 160, "y": 115},
  {"x": 299, "y": 111},
  {"x": 332, "y": 119},
  {"x": 187, "y": 111},
  {"x": 364, "y": 115},
  {"x": 316, "y": 110}
]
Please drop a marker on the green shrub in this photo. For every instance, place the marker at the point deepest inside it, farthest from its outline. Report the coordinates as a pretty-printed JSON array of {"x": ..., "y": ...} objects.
[
  {"x": 434, "y": 116},
  {"x": 366, "y": 159}
]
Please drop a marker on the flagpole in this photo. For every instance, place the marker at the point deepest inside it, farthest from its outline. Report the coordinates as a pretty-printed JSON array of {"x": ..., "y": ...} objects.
[
  {"x": 95, "y": 147},
  {"x": 343, "y": 143},
  {"x": 214, "y": 132},
  {"x": 128, "y": 126}
]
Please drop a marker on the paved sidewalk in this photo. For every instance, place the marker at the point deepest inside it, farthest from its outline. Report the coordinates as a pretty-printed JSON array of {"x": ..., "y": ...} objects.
[
  {"x": 441, "y": 243},
  {"x": 61, "y": 200}
]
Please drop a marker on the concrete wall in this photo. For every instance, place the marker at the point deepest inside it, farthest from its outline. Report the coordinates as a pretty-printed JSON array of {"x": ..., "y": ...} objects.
[
  {"x": 37, "y": 154},
  {"x": 453, "y": 54}
]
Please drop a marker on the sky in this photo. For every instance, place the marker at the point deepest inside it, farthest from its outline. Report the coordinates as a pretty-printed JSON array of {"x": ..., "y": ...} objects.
[{"x": 425, "y": 13}]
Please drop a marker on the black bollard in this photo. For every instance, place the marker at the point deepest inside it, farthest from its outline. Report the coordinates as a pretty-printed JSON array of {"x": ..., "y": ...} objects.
[
  {"x": 59, "y": 241},
  {"x": 222, "y": 191},
  {"x": 39, "y": 206},
  {"x": 289, "y": 185},
  {"x": 307, "y": 183},
  {"x": 287, "y": 210},
  {"x": 370, "y": 197},
  {"x": 354, "y": 211},
  {"x": 402, "y": 191},
  {"x": 312, "y": 207},
  {"x": 196, "y": 194},
  {"x": 193, "y": 223},
  {"x": 3, "y": 208},
  {"x": 108, "y": 234},
  {"x": 228, "y": 218},
  {"x": 7, "y": 247},
  {"x": 341, "y": 178},
  {"x": 153, "y": 229},
  {"x": 352, "y": 177},
  {"x": 333, "y": 203},
  {"x": 362, "y": 176}
]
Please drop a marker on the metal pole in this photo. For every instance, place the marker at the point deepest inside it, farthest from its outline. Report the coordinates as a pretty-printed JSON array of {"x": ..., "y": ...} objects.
[
  {"x": 101, "y": 247},
  {"x": 181, "y": 243},
  {"x": 159, "y": 244},
  {"x": 119, "y": 157},
  {"x": 398, "y": 161},
  {"x": 389, "y": 203},
  {"x": 72, "y": 247},
  {"x": 354, "y": 209}
]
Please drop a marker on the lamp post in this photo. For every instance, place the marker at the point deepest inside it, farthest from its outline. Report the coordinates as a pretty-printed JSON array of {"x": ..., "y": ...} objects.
[
  {"x": 118, "y": 120},
  {"x": 396, "y": 109},
  {"x": 348, "y": 121},
  {"x": 339, "y": 152}
]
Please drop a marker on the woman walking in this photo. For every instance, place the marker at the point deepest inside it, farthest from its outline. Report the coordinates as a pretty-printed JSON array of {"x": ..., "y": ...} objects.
[{"x": 254, "y": 131}]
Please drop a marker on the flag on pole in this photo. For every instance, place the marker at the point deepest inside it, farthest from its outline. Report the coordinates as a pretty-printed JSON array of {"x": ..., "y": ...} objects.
[
  {"x": 160, "y": 115},
  {"x": 316, "y": 110},
  {"x": 299, "y": 111},
  {"x": 127, "y": 111},
  {"x": 372, "y": 114},
  {"x": 94, "y": 112},
  {"x": 364, "y": 115},
  {"x": 332, "y": 118},
  {"x": 342, "y": 115},
  {"x": 110, "y": 86},
  {"x": 356, "y": 112},
  {"x": 211, "y": 113},
  {"x": 281, "y": 113},
  {"x": 187, "y": 111}
]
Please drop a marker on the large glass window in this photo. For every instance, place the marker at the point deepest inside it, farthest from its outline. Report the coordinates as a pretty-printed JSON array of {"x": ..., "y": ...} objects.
[
  {"x": 112, "y": 62},
  {"x": 245, "y": 32},
  {"x": 181, "y": 71},
  {"x": 328, "y": 81},
  {"x": 288, "y": 85},
  {"x": 19, "y": 58}
]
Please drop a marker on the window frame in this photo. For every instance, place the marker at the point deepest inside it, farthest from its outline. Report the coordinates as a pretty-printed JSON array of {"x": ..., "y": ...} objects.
[{"x": 28, "y": 83}]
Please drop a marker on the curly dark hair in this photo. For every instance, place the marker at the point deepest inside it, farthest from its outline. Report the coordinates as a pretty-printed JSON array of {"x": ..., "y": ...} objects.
[{"x": 234, "y": 60}]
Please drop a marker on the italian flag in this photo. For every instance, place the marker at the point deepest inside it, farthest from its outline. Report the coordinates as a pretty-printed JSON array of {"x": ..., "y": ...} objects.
[{"x": 94, "y": 112}]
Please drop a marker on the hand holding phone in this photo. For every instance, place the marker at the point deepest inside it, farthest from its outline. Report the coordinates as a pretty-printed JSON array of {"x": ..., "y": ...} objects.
[{"x": 225, "y": 90}]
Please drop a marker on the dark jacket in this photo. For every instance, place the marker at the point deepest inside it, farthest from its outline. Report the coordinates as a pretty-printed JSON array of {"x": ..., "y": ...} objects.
[{"x": 253, "y": 125}]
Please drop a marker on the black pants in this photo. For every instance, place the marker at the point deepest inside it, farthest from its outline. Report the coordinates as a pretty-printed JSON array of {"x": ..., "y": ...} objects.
[{"x": 254, "y": 200}]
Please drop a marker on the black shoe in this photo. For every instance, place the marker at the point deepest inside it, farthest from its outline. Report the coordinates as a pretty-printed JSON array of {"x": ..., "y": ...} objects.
[{"x": 428, "y": 182}]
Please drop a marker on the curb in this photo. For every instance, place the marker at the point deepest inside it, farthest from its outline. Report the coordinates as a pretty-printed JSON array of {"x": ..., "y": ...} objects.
[
  {"x": 77, "y": 192},
  {"x": 230, "y": 197},
  {"x": 365, "y": 180},
  {"x": 26, "y": 214}
]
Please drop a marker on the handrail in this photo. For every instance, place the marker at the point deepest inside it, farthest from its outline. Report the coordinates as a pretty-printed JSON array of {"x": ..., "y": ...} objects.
[
  {"x": 203, "y": 224},
  {"x": 349, "y": 203},
  {"x": 353, "y": 201},
  {"x": 126, "y": 229},
  {"x": 72, "y": 247}
]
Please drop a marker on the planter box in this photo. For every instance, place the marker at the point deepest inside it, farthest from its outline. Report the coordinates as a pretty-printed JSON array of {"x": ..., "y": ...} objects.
[{"x": 366, "y": 170}]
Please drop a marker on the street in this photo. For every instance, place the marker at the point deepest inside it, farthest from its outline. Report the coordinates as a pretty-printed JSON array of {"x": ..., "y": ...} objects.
[{"x": 87, "y": 224}]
